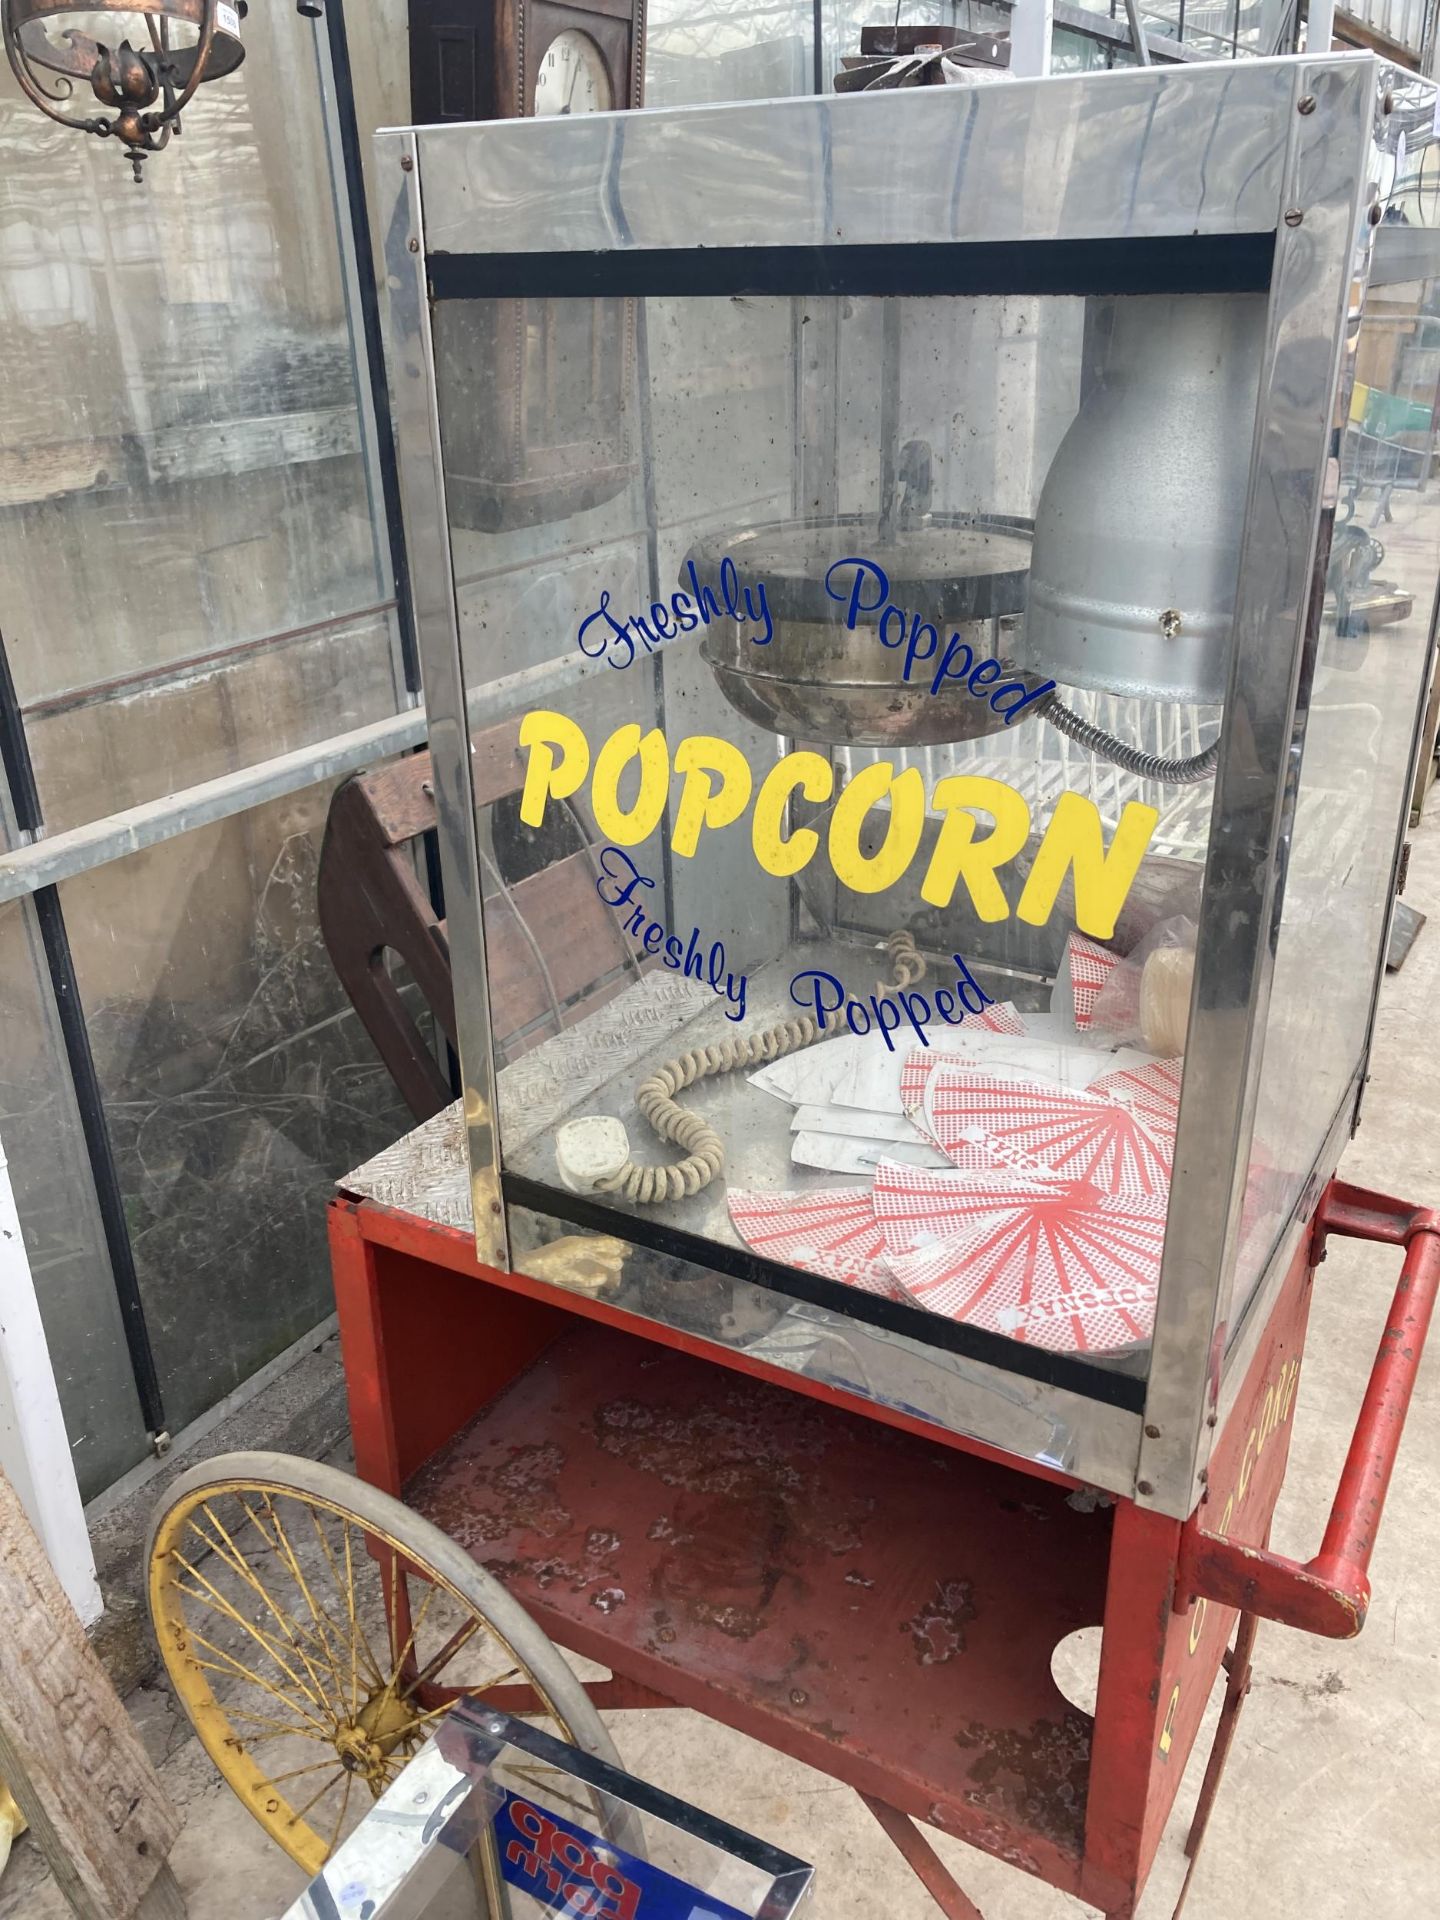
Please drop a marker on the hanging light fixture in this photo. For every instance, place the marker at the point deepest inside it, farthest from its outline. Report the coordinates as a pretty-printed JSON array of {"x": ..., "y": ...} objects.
[{"x": 146, "y": 87}]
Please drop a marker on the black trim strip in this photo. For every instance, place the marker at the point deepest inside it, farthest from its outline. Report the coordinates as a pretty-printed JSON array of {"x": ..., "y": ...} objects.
[
  {"x": 371, "y": 357},
  {"x": 739, "y": 1263},
  {"x": 1178, "y": 263},
  {"x": 19, "y": 774}
]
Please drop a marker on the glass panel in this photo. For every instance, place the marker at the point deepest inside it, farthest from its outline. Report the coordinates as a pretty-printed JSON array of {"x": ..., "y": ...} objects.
[
  {"x": 727, "y": 50},
  {"x": 493, "y": 1816},
  {"x": 765, "y": 49},
  {"x": 182, "y": 487},
  {"x": 1220, "y": 29},
  {"x": 40, "y": 1130},
  {"x": 381, "y": 84},
  {"x": 238, "y": 1083},
  {"x": 1372, "y": 652},
  {"x": 98, "y": 749},
  {"x": 843, "y": 20},
  {"x": 1077, "y": 53},
  {"x": 782, "y": 713}
]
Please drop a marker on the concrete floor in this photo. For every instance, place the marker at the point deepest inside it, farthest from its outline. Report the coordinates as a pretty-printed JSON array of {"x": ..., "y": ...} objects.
[{"x": 1329, "y": 1806}]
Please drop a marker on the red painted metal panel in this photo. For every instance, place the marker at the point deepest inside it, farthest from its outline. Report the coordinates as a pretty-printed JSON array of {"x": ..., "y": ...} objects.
[
  {"x": 362, "y": 1349},
  {"x": 425, "y": 1347},
  {"x": 1247, "y": 1467},
  {"x": 1158, "y": 1665},
  {"x": 847, "y": 1583},
  {"x": 446, "y": 1248},
  {"x": 878, "y": 1606},
  {"x": 918, "y": 1854},
  {"x": 1138, "y": 1627}
]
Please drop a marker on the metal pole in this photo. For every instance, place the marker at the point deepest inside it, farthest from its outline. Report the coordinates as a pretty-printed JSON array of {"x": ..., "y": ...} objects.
[
  {"x": 1032, "y": 24},
  {"x": 1137, "y": 32},
  {"x": 1319, "y": 26},
  {"x": 75, "y": 1035}
]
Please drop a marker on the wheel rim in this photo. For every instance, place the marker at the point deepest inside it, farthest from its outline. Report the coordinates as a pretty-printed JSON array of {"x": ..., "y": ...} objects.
[{"x": 290, "y": 1625}]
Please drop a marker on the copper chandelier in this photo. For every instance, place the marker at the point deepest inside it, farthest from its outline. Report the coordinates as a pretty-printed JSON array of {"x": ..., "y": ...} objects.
[{"x": 142, "y": 88}]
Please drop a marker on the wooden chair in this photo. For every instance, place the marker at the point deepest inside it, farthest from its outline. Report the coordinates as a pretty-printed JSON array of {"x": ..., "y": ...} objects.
[{"x": 554, "y": 951}]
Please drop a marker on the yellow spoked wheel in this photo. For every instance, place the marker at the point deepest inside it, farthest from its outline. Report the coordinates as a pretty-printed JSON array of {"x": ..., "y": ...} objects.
[{"x": 316, "y": 1630}]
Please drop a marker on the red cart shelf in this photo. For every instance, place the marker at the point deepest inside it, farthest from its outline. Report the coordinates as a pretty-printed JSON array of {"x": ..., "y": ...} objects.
[
  {"x": 872, "y": 1595},
  {"x": 844, "y": 1592}
]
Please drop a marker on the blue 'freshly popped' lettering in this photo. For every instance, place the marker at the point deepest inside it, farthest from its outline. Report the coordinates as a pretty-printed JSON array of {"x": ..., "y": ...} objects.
[{"x": 865, "y": 589}]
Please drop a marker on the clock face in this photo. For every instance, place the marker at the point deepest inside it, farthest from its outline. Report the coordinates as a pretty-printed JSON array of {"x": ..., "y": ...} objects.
[{"x": 573, "y": 77}]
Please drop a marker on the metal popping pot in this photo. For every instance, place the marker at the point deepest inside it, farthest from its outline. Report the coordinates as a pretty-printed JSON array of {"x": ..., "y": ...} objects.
[{"x": 822, "y": 680}]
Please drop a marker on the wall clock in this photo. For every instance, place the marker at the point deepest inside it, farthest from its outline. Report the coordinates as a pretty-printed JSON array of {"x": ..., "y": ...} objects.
[
  {"x": 546, "y": 434},
  {"x": 503, "y": 59}
]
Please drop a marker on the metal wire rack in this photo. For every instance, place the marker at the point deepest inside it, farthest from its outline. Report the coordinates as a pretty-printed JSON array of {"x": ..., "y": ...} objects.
[{"x": 1041, "y": 763}]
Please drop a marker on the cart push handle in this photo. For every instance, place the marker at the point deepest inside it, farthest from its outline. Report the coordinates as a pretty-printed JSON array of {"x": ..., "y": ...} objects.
[{"x": 1330, "y": 1594}]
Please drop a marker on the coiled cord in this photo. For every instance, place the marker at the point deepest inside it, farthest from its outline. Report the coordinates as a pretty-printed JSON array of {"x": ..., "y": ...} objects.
[
  {"x": 1148, "y": 766},
  {"x": 704, "y": 1149},
  {"x": 908, "y": 964}
]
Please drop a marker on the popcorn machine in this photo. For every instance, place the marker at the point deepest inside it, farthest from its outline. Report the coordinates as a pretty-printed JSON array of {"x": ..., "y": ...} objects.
[{"x": 983, "y": 807}]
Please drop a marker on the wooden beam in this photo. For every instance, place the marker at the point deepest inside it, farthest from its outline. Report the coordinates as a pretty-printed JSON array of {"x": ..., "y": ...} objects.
[
  {"x": 1350, "y": 32},
  {"x": 68, "y": 1750}
]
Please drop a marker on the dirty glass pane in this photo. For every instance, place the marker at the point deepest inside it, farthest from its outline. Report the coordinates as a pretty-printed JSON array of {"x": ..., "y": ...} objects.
[
  {"x": 771, "y": 723},
  {"x": 380, "y": 70},
  {"x": 727, "y": 50},
  {"x": 101, "y": 750},
  {"x": 843, "y": 20},
  {"x": 238, "y": 1082},
  {"x": 182, "y": 483},
  {"x": 41, "y": 1134},
  {"x": 765, "y": 49},
  {"x": 1219, "y": 30},
  {"x": 1373, "y": 650}
]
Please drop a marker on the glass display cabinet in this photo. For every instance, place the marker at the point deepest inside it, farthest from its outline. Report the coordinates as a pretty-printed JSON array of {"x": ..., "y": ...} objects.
[{"x": 946, "y": 796}]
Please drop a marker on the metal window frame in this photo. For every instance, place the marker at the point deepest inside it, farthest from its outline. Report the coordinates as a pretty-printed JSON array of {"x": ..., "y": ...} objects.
[
  {"x": 34, "y": 870},
  {"x": 968, "y": 176}
]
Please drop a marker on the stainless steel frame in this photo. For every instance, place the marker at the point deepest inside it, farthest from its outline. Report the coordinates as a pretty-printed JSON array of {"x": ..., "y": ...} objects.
[
  {"x": 427, "y": 533},
  {"x": 1287, "y": 150},
  {"x": 430, "y": 1830},
  {"x": 1245, "y": 1338},
  {"x": 1398, "y": 254},
  {"x": 1088, "y": 157},
  {"x": 1326, "y": 183},
  {"x": 1387, "y": 254}
]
